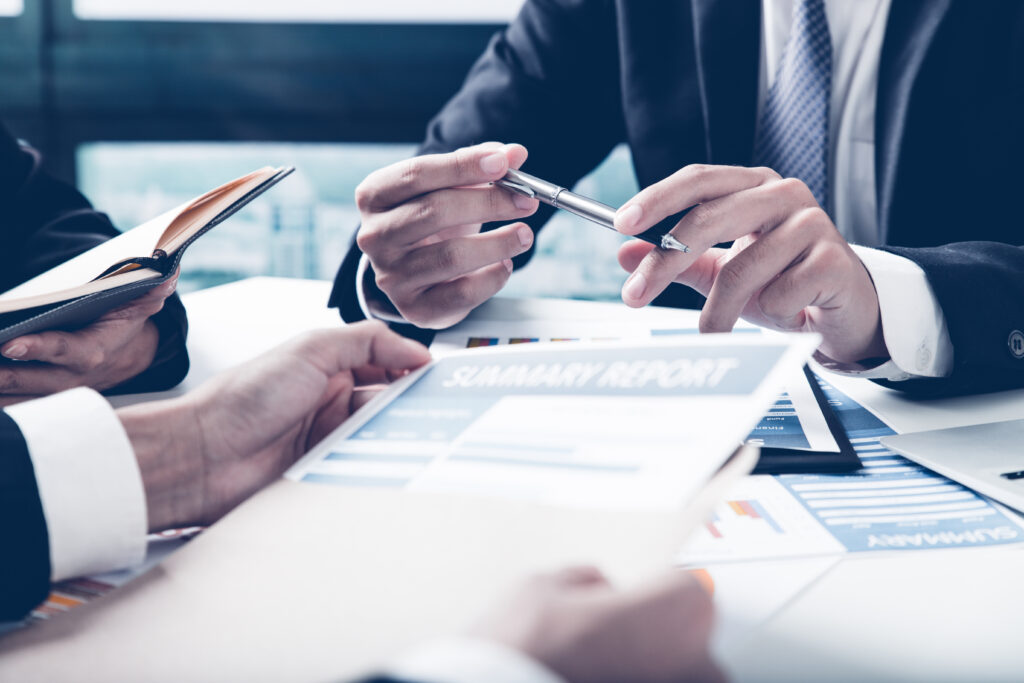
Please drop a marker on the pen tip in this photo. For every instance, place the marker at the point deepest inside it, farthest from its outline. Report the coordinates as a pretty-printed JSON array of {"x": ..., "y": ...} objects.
[{"x": 670, "y": 242}]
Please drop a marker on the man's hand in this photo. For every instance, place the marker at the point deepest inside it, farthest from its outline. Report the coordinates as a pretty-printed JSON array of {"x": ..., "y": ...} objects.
[
  {"x": 420, "y": 229},
  {"x": 113, "y": 349},
  {"x": 788, "y": 267},
  {"x": 204, "y": 453},
  {"x": 586, "y": 631}
]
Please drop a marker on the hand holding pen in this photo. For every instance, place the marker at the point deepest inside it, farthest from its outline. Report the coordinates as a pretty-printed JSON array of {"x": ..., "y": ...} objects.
[
  {"x": 584, "y": 207},
  {"x": 426, "y": 259},
  {"x": 788, "y": 268}
]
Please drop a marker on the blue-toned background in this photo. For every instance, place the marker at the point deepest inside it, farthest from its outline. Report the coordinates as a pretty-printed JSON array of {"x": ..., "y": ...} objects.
[{"x": 147, "y": 104}]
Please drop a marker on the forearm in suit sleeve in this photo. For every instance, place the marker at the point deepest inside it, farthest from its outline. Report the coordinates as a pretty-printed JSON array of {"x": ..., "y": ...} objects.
[
  {"x": 25, "y": 569},
  {"x": 549, "y": 81},
  {"x": 47, "y": 222},
  {"x": 980, "y": 287}
]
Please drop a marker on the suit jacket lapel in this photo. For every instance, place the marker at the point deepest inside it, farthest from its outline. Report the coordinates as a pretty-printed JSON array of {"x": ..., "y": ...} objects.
[
  {"x": 728, "y": 42},
  {"x": 908, "y": 35}
]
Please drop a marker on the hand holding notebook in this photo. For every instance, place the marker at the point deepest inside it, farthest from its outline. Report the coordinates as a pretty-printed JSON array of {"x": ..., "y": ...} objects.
[
  {"x": 130, "y": 348},
  {"x": 123, "y": 269}
]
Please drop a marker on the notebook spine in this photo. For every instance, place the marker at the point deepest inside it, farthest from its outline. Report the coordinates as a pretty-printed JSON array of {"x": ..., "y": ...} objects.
[{"x": 159, "y": 261}]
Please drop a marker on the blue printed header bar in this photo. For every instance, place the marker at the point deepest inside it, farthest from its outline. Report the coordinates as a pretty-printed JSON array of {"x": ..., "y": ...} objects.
[{"x": 669, "y": 370}]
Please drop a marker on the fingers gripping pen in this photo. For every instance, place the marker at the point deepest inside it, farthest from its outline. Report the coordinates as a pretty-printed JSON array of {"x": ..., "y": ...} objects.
[{"x": 584, "y": 207}]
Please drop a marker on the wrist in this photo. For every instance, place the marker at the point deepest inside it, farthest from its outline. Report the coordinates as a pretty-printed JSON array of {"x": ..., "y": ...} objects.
[
  {"x": 866, "y": 352},
  {"x": 169, "y": 362},
  {"x": 140, "y": 353},
  {"x": 875, "y": 352},
  {"x": 872, "y": 351},
  {"x": 164, "y": 436}
]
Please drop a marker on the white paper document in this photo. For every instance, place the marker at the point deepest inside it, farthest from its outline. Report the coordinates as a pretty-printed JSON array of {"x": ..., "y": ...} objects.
[
  {"x": 602, "y": 424},
  {"x": 794, "y": 421},
  {"x": 890, "y": 505}
]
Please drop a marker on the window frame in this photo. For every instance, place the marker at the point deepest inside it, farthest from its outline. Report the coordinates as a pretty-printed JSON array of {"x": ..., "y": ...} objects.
[{"x": 224, "y": 81}]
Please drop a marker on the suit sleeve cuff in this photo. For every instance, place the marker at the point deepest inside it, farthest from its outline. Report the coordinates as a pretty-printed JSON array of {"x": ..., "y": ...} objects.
[
  {"x": 373, "y": 303},
  {"x": 470, "y": 660},
  {"x": 913, "y": 324},
  {"x": 88, "y": 480}
]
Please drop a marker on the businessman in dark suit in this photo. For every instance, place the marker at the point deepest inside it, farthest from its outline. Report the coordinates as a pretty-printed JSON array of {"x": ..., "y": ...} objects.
[
  {"x": 190, "y": 460},
  {"x": 44, "y": 222},
  {"x": 898, "y": 120}
]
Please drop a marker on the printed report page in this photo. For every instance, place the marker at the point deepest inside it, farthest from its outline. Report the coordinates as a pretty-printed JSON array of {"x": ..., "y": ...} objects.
[{"x": 602, "y": 424}]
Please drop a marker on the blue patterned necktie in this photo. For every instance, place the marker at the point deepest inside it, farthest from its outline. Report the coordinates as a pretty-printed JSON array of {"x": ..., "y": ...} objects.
[{"x": 793, "y": 137}]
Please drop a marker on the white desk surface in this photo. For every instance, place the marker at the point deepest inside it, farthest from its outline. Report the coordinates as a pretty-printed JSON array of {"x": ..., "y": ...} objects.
[{"x": 928, "y": 615}]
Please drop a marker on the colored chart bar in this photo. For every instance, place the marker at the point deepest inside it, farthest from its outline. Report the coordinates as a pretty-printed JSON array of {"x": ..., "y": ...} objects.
[
  {"x": 761, "y": 513},
  {"x": 754, "y": 510},
  {"x": 68, "y": 595},
  {"x": 476, "y": 342},
  {"x": 349, "y": 480},
  {"x": 523, "y": 340},
  {"x": 669, "y": 332},
  {"x": 64, "y": 601}
]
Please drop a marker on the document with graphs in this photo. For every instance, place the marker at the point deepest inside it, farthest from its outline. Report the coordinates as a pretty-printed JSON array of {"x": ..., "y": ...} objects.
[
  {"x": 891, "y": 504},
  {"x": 638, "y": 424}
]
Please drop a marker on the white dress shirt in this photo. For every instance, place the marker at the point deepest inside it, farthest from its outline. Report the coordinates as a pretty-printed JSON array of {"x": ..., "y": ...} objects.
[
  {"x": 913, "y": 324},
  {"x": 88, "y": 481}
]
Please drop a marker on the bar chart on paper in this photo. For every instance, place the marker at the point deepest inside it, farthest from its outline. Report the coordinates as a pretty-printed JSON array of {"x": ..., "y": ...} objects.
[
  {"x": 761, "y": 519},
  {"x": 890, "y": 504},
  {"x": 754, "y": 510},
  {"x": 781, "y": 426},
  {"x": 73, "y": 593}
]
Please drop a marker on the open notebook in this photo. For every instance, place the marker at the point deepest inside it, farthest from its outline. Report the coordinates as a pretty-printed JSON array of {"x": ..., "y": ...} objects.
[{"x": 124, "y": 268}]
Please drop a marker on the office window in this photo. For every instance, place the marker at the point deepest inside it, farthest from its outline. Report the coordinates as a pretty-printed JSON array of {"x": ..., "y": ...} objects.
[
  {"x": 302, "y": 227},
  {"x": 10, "y": 8},
  {"x": 379, "y": 11}
]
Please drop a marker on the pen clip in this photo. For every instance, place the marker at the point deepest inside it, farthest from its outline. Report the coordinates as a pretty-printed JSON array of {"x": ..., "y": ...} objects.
[{"x": 525, "y": 190}]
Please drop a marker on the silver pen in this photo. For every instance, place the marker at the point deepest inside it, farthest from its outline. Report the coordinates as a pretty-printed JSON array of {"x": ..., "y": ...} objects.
[{"x": 584, "y": 207}]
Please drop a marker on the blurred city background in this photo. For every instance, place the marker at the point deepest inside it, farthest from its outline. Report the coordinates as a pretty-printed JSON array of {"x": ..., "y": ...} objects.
[{"x": 147, "y": 104}]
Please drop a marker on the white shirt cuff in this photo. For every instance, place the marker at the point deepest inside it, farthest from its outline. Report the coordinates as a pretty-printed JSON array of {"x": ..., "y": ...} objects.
[
  {"x": 373, "y": 310},
  {"x": 462, "y": 659},
  {"x": 88, "y": 480},
  {"x": 913, "y": 324}
]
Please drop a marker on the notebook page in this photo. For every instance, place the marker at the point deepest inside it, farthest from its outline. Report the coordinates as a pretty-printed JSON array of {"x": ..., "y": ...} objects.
[{"x": 74, "y": 273}]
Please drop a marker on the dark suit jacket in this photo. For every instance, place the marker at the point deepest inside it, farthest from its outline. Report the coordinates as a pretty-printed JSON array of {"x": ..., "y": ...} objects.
[
  {"x": 678, "y": 82},
  {"x": 25, "y": 571},
  {"x": 43, "y": 223}
]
